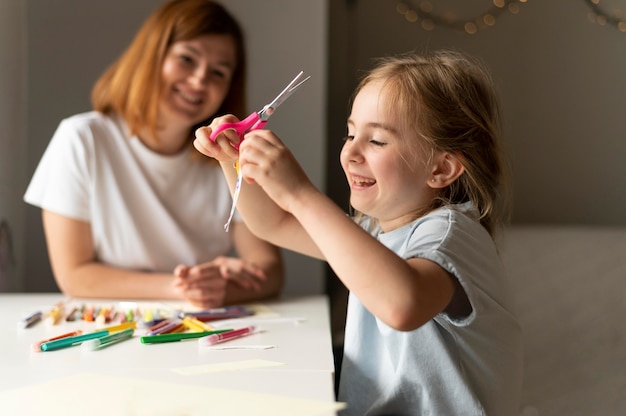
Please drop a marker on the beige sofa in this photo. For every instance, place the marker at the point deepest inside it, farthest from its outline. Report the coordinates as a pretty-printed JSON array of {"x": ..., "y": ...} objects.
[{"x": 570, "y": 286}]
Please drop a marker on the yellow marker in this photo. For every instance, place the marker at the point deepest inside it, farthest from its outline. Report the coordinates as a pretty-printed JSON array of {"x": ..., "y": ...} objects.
[
  {"x": 195, "y": 325},
  {"x": 55, "y": 314},
  {"x": 120, "y": 327},
  {"x": 102, "y": 316},
  {"x": 148, "y": 315}
]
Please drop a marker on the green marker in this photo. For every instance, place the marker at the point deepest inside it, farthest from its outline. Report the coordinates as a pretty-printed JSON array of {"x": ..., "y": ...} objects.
[
  {"x": 69, "y": 341},
  {"x": 114, "y": 338},
  {"x": 155, "y": 339}
]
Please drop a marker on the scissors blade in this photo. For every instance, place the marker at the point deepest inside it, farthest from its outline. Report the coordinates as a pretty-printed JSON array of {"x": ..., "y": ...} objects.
[{"x": 268, "y": 110}]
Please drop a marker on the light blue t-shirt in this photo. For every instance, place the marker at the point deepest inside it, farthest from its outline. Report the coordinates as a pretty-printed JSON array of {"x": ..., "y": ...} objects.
[{"x": 470, "y": 366}]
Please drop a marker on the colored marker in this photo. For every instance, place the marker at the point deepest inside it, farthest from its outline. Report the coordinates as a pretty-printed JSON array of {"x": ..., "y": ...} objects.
[
  {"x": 37, "y": 345},
  {"x": 108, "y": 340},
  {"x": 219, "y": 313},
  {"x": 196, "y": 325},
  {"x": 152, "y": 324},
  {"x": 162, "y": 338},
  {"x": 30, "y": 320},
  {"x": 120, "y": 327},
  {"x": 173, "y": 326},
  {"x": 69, "y": 341},
  {"x": 226, "y": 336},
  {"x": 70, "y": 316},
  {"x": 54, "y": 316}
]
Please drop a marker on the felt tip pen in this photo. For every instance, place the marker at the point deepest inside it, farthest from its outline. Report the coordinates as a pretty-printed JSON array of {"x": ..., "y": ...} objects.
[
  {"x": 108, "y": 340},
  {"x": 227, "y": 336},
  {"x": 196, "y": 325},
  {"x": 69, "y": 341},
  {"x": 54, "y": 316},
  {"x": 120, "y": 327},
  {"x": 170, "y": 327},
  {"x": 162, "y": 338},
  {"x": 37, "y": 345},
  {"x": 30, "y": 320}
]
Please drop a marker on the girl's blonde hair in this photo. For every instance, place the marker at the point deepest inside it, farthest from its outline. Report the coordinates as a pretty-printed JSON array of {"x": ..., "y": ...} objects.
[
  {"x": 447, "y": 102},
  {"x": 132, "y": 85}
]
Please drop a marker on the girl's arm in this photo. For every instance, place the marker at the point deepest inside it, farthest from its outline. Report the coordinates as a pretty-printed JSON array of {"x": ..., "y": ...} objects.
[
  {"x": 261, "y": 214},
  {"x": 403, "y": 294}
]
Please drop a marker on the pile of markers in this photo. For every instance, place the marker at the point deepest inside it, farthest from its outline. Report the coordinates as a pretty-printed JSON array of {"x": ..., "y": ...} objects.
[
  {"x": 95, "y": 340},
  {"x": 159, "y": 327}
]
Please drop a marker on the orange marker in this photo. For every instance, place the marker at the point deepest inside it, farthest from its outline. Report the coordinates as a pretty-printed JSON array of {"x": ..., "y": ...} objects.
[{"x": 88, "y": 315}]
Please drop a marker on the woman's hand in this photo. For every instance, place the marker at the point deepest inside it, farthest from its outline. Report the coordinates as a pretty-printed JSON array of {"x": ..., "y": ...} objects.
[
  {"x": 204, "y": 285},
  {"x": 223, "y": 149}
]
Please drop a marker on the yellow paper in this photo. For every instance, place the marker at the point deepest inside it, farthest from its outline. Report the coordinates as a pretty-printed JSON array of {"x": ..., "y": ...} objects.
[{"x": 101, "y": 395}]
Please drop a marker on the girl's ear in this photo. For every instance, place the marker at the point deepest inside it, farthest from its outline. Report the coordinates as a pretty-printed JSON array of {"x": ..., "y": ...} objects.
[{"x": 446, "y": 169}]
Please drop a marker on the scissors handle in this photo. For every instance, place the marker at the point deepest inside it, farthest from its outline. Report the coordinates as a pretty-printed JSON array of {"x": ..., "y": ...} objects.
[{"x": 252, "y": 122}]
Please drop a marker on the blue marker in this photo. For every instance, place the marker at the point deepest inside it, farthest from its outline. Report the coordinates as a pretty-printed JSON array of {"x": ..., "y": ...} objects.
[{"x": 30, "y": 320}]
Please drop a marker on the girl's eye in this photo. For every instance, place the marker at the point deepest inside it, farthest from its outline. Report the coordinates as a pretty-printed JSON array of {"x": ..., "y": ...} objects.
[{"x": 377, "y": 143}]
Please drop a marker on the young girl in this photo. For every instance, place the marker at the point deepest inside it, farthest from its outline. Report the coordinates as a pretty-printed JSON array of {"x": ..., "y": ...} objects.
[
  {"x": 429, "y": 327},
  {"x": 130, "y": 210}
]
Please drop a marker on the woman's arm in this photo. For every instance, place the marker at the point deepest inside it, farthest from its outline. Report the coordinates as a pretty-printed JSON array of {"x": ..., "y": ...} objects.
[
  {"x": 79, "y": 274},
  {"x": 259, "y": 257}
]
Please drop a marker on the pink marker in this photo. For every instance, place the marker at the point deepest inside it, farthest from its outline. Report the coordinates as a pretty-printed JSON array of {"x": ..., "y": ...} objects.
[{"x": 226, "y": 336}]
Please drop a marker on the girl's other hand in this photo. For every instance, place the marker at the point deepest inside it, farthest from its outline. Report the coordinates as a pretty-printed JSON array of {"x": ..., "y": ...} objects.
[{"x": 267, "y": 161}]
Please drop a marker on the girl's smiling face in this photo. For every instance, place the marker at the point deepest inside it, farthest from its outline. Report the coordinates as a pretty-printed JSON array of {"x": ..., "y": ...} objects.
[{"x": 386, "y": 169}]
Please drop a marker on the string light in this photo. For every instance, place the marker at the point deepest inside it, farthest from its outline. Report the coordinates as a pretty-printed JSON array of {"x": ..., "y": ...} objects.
[
  {"x": 428, "y": 19},
  {"x": 597, "y": 15}
]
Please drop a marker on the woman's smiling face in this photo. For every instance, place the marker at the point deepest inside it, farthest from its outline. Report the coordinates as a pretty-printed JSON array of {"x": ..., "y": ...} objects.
[
  {"x": 387, "y": 181},
  {"x": 196, "y": 77}
]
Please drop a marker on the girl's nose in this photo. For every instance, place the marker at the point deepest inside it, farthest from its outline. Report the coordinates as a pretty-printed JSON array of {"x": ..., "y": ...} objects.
[{"x": 351, "y": 151}]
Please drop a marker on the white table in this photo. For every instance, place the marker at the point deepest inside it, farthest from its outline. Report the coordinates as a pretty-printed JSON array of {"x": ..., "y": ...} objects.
[{"x": 301, "y": 359}]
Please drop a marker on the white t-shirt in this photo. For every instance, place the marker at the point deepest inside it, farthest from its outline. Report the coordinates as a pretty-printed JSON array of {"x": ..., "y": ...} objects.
[
  {"x": 470, "y": 366},
  {"x": 147, "y": 211}
]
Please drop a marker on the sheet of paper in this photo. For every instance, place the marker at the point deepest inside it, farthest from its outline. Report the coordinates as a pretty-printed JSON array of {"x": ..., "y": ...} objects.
[{"x": 101, "y": 395}]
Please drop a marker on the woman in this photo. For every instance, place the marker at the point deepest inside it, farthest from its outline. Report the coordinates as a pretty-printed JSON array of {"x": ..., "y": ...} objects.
[{"x": 128, "y": 210}]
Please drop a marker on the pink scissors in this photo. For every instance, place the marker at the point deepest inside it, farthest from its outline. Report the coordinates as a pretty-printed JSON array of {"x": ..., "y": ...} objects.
[{"x": 258, "y": 120}]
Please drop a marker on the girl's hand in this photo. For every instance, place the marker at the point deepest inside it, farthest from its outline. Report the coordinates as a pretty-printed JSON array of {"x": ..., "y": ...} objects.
[
  {"x": 223, "y": 149},
  {"x": 264, "y": 159},
  {"x": 205, "y": 285}
]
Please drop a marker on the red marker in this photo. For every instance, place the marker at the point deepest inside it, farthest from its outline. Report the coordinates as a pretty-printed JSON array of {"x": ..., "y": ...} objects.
[{"x": 226, "y": 336}]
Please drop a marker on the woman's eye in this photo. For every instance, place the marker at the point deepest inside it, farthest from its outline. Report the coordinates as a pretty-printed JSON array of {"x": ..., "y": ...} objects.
[
  {"x": 186, "y": 59},
  {"x": 218, "y": 74},
  {"x": 348, "y": 138}
]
